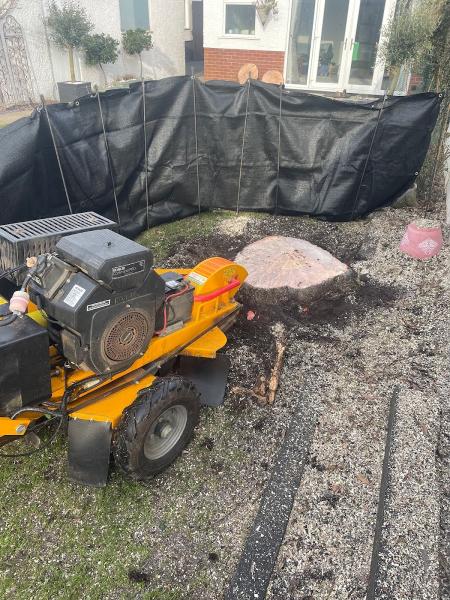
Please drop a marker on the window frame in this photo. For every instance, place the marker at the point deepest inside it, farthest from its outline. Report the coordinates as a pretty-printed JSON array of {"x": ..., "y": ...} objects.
[
  {"x": 249, "y": 36},
  {"x": 122, "y": 29}
]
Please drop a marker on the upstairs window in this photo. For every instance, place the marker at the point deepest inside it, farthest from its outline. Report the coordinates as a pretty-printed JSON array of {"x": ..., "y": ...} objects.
[
  {"x": 240, "y": 19},
  {"x": 134, "y": 14}
]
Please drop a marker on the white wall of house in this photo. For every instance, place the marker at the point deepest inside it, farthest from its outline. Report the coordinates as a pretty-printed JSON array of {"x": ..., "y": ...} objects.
[
  {"x": 271, "y": 37},
  {"x": 351, "y": 29},
  {"x": 49, "y": 64}
]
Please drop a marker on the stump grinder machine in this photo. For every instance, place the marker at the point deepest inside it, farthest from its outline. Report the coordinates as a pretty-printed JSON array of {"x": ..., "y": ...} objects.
[{"x": 98, "y": 343}]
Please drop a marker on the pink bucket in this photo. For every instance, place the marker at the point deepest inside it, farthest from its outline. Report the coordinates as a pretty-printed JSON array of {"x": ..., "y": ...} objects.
[{"x": 421, "y": 242}]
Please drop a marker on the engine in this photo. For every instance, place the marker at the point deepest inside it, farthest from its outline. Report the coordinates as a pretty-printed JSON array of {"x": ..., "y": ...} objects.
[
  {"x": 102, "y": 300},
  {"x": 101, "y": 297}
]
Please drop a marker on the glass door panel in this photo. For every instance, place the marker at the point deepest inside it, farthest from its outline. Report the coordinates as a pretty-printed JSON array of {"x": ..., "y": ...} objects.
[
  {"x": 332, "y": 41},
  {"x": 299, "y": 53},
  {"x": 365, "y": 44}
]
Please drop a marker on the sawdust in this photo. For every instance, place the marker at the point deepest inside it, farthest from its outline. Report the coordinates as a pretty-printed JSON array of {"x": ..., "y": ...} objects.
[
  {"x": 235, "y": 226},
  {"x": 343, "y": 358},
  {"x": 180, "y": 536}
]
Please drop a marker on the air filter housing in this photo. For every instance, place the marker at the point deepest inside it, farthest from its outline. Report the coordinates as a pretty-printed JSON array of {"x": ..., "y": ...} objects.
[{"x": 18, "y": 241}]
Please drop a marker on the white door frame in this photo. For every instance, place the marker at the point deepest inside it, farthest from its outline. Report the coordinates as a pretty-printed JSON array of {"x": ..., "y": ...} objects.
[
  {"x": 316, "y": 43},
  {"x": 377, "y": 81},
  {"x": 344, "y": 72}
]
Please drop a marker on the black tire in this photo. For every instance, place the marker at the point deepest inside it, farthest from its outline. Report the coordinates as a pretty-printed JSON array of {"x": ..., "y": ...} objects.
[{"x": 134, "y": 447}]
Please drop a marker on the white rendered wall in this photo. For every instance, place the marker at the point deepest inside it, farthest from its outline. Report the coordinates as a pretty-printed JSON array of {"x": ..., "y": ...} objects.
[
  {"x": 271, "y": 37},
  {"x": 49, "y": 64}
]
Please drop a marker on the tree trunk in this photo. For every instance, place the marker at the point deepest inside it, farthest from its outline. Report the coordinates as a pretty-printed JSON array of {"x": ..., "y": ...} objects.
[
  {"x": 395, "y": 73},
  {"x": 71, "y": 64},
  {"x": 104, "y": 74}
]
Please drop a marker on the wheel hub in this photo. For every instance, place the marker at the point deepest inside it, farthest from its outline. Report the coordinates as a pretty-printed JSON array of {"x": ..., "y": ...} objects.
[{"x": 165, "y": 432}]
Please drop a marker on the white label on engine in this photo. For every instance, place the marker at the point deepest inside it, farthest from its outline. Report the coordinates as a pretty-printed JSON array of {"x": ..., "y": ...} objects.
[
  {"x": 130, "y": 269},
  {"x": 197, "y": 278},
  {"x": 97, "y": 305},
  {"x": 75, "y": 294}
]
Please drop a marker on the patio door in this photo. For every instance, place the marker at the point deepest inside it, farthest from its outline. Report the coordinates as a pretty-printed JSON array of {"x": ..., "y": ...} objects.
[
  {"x": 365, "y": 73},
  {"x": 330, "y": 48},
  {"x": 333, "y": 44}
]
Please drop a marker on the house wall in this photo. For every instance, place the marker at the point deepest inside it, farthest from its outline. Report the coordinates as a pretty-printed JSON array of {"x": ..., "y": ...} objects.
[
  {"x": 225, "y": 54},
  {"x": 221, "y": 63},
  {"x": 49, "y": 64}
]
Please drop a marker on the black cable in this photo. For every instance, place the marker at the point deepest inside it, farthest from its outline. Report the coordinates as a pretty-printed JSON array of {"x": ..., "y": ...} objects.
[
  {"x": 11, "y": 271},
  {"x": 8, "y": 319},
  {"x": 69, "y": 395},
  {"x": 46, "y": 445},
  {"x": 35, "y": 409}
]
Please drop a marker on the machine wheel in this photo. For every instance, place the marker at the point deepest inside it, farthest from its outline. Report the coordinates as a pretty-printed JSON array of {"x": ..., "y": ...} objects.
[{"x": 156, "y": 427}]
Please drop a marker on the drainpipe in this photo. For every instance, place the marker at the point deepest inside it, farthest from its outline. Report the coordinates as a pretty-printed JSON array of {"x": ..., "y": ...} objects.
[{"x": 188, "y": 14}]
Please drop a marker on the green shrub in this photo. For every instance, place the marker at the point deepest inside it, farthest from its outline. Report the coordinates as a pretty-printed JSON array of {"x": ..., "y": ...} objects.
[
  {"x": 407, "y": 41},
  {"x": 135, "y": 41},
  {"x": 100, "y": 49},
  {"x": 69, "y": 27}
]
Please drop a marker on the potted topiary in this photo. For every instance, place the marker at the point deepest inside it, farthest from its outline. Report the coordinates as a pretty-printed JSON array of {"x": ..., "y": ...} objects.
[
  {"x": 69, "y": 26},
  {"x": 135, "y": 41},
  {"x": 100, "y": 49}
]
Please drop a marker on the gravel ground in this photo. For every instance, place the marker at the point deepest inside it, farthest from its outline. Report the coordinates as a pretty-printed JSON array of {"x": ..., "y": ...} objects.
[
  {"x": 180, "y": 536},
  {"x": 327, "y": 548},
  {"x": 344, "y": 360}
]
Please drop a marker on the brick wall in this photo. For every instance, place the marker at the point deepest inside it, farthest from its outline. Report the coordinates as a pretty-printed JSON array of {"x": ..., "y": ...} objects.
[
  {"x": 415, "y": 83},
  {"x": 221, "y": 63}
]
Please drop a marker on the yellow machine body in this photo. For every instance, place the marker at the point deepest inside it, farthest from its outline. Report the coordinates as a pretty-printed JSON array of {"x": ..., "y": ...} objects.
[{"x": 216, "y": 281}]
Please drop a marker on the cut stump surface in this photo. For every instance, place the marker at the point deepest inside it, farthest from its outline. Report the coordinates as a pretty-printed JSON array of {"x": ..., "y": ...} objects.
[{"x": 290, "y": 268}]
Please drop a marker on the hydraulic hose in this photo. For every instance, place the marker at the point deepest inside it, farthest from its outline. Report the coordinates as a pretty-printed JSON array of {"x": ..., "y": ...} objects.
[{"x": 8, "y": 319}]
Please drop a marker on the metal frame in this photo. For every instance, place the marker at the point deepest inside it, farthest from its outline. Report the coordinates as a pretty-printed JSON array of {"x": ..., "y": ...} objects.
[
  {"x": 16, "y": 85},
  {"x": 247, "y": 36}
]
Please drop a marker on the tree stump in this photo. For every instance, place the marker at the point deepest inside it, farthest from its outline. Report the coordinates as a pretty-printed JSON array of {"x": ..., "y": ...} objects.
[
  {"x": 285, "y": 269},
  {"x": 273, "y": 76},
  {"x": 247, "y": 71}
]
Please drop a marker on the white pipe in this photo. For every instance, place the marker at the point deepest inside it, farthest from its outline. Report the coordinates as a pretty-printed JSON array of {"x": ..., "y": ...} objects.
[{"x": 188, "y": 14}]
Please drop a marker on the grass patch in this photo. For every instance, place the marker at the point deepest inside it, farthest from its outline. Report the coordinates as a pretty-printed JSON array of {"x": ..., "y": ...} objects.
[
  {"x": 60, "y": 540},
  {"x": 163, "y": 239},
  {"x": 6, "y": 118}
]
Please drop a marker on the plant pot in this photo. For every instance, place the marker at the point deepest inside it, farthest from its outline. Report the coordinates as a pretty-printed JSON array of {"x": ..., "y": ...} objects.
[
  {"x": 421, "y": 242},
  {"x": 263, "y": 13},
  {"x": 71, "y": 90}
]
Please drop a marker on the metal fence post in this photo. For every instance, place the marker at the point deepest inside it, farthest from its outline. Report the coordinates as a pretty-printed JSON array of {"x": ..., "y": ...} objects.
[
  {"x": 242, "y": 148},
  {"x": 52, "y": 134},
  {"x": 279, "y": 149},
  {"x": 108, "y": 154},
  {"x": 145, "y": 153},
  {"x": 355, "y": 203},
  {"x": 196, "y": 141}
]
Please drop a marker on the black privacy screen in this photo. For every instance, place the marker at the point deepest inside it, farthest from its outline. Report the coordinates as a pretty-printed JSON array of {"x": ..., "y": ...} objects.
[{"x": 219, "y": 144}]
